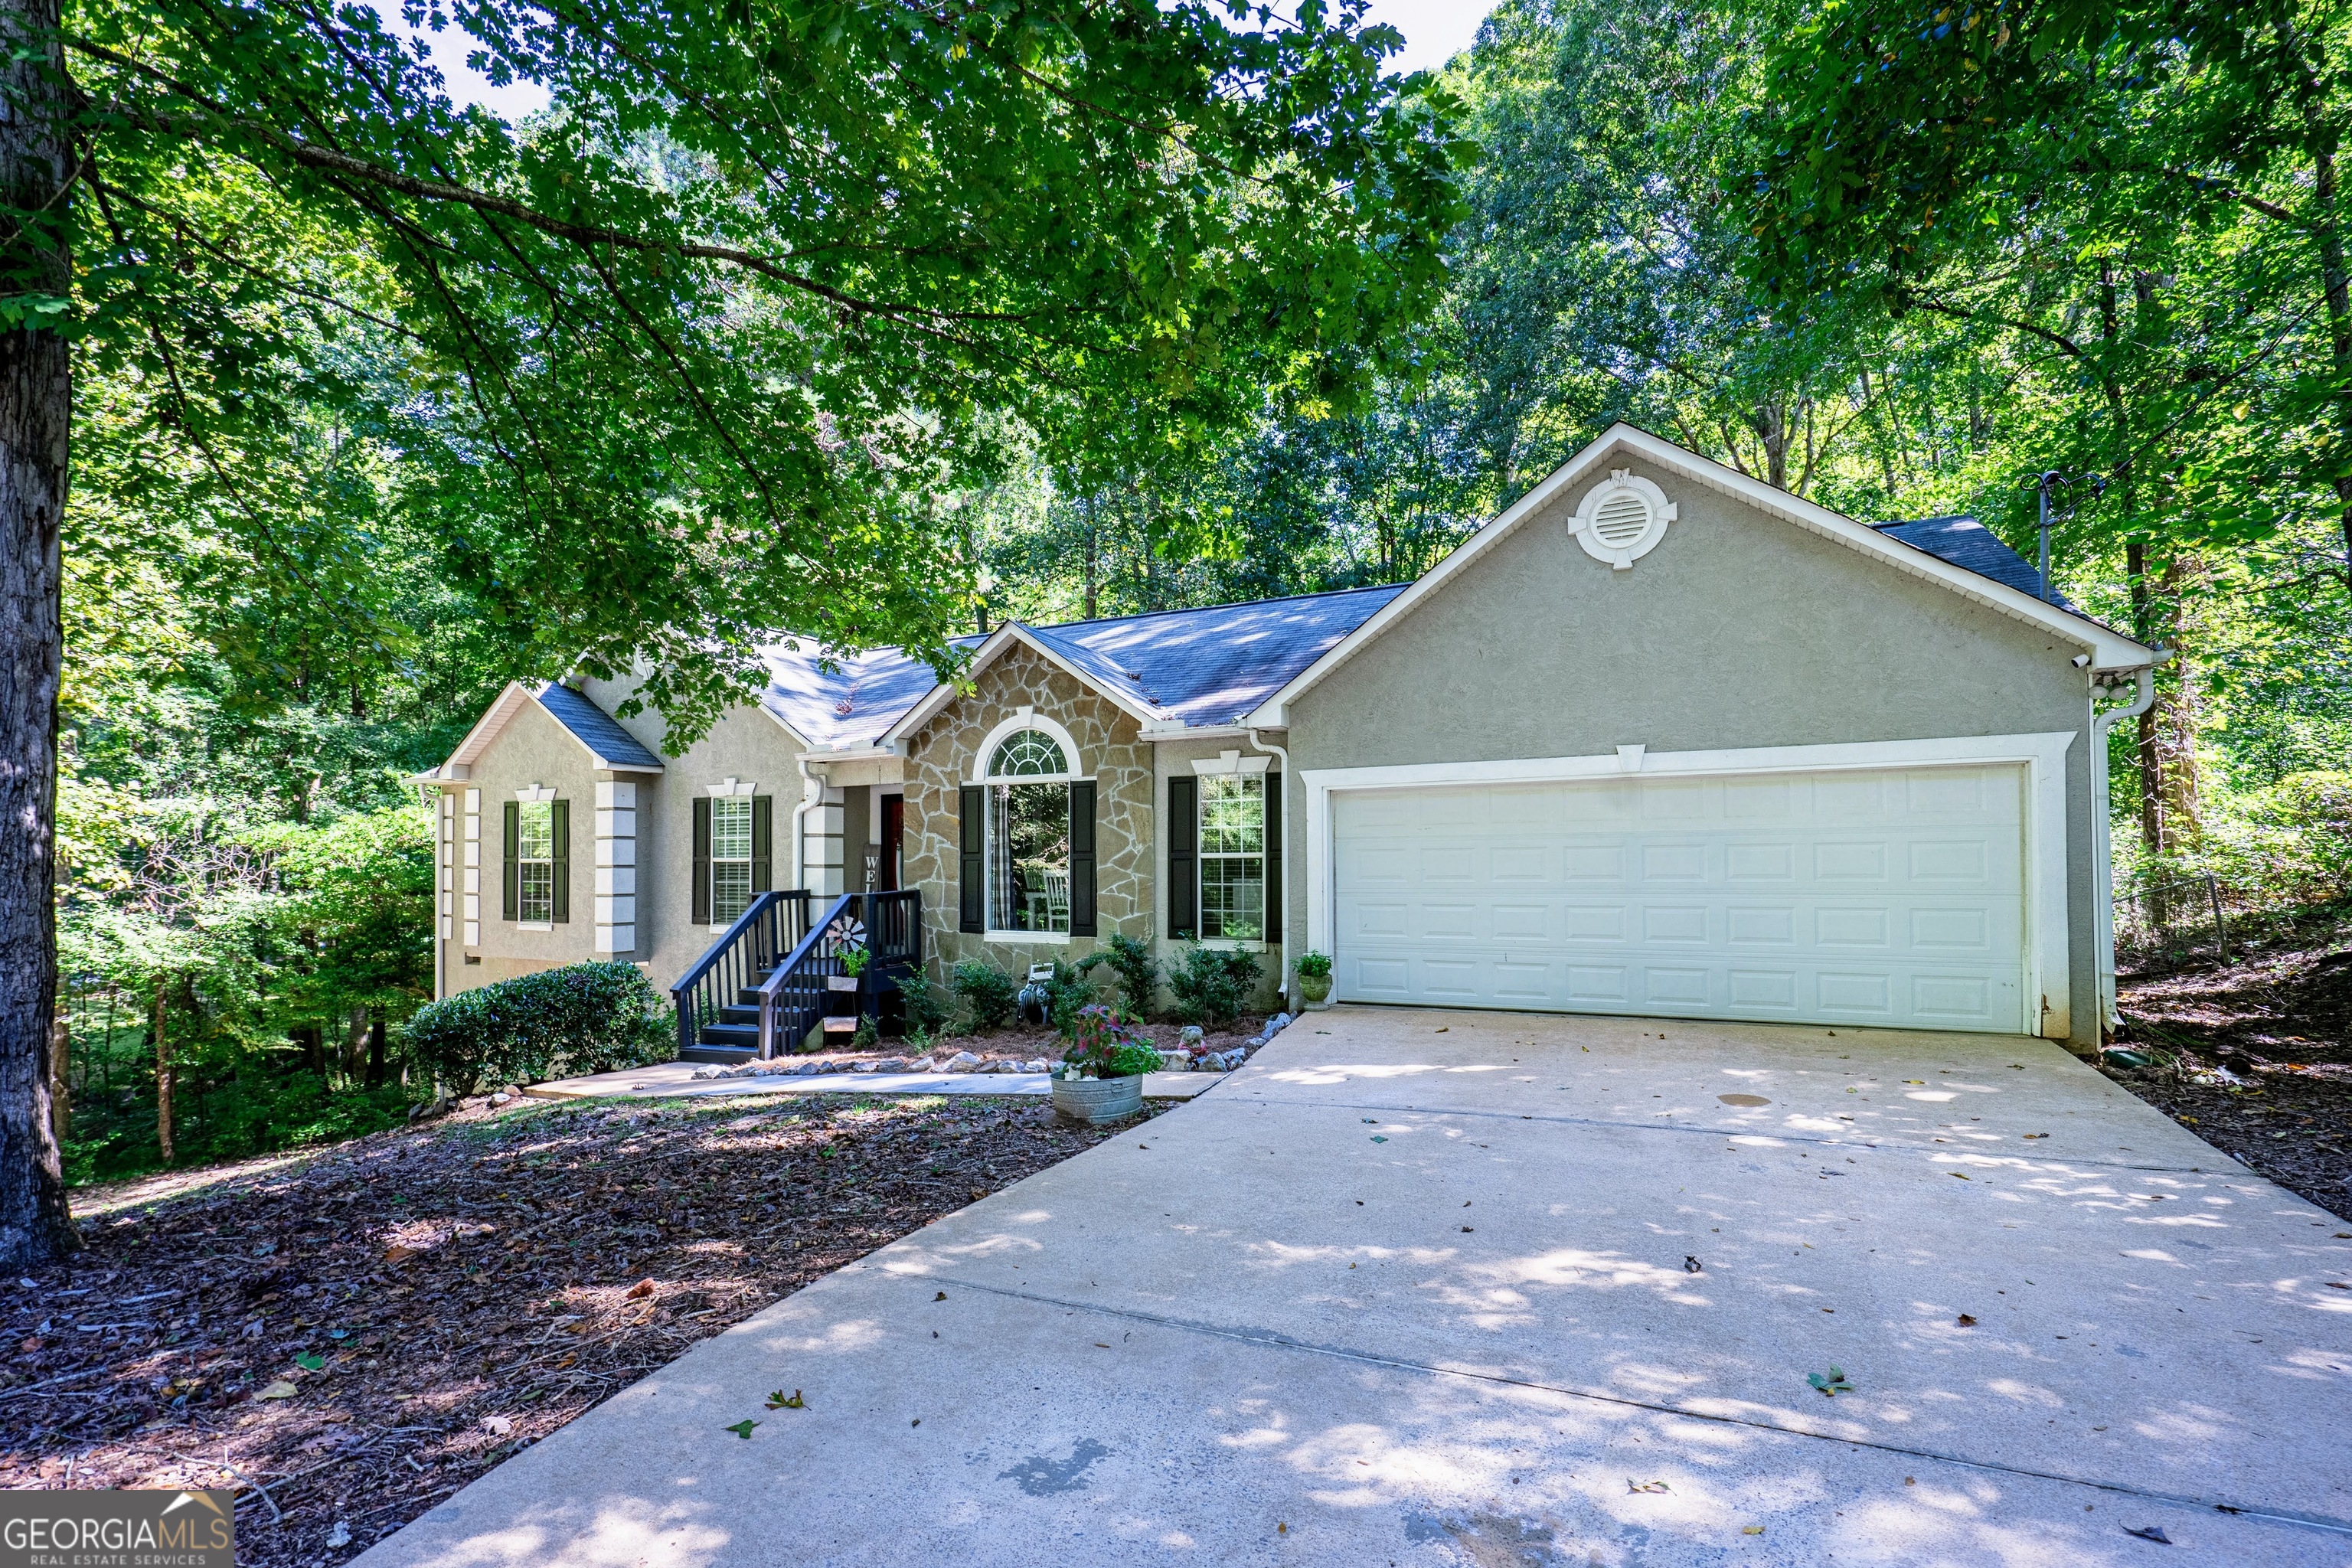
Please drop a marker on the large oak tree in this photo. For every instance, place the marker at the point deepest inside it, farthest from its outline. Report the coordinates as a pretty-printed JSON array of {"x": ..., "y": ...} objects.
[{"x": 695, "y": 357}]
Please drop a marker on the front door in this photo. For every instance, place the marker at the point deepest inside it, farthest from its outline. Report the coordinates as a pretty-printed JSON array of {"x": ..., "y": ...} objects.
[{"x": 894, "y": 833}]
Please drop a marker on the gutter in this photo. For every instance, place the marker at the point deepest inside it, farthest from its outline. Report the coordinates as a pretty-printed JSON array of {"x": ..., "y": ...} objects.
[
  {"x": 809, "y": 782},
  {"x": 2103, "y": 860},
  {"x": 1282, "y": 949}
]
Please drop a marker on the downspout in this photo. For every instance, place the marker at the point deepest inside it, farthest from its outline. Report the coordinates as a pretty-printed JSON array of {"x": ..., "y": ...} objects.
[
  {"x": 1282, "y": 953},
  {"x": 812, "y": 792},
  {"x": 2103, "y": 868}
]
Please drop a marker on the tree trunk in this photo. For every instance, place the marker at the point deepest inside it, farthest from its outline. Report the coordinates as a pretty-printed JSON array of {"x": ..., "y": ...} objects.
[
  {"x": 60, "y": 1082},
  {"x": 355, "y": 1038},
  {"x": 163, "y": 1080},
  {"x": 375, "y": 1053},
  {"x": 36, "y": 417}
]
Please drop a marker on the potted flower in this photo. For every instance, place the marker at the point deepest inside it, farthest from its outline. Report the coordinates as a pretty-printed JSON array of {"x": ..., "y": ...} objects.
[
  {"x": 1314, "y": 971},
  {"x": 1101, "y": 1075}
]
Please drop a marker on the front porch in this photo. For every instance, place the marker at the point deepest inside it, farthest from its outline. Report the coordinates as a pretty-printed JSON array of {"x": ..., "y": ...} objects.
[{"x": 791, "y": 971}]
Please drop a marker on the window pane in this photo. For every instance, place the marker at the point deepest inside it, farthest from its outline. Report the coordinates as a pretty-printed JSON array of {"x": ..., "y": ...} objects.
[
  {"x": 537, "y": 902},
  {"x": 1233, "y": 898},
  {"x": 535, "y": 831},
  {"x": 1029, "y": 857},
  {"x": 1233, "y": 814},
  {"x": 1031, "y": 753},
  {"x": 731, "y": 891},
  {"x": 730, "y": 828}
]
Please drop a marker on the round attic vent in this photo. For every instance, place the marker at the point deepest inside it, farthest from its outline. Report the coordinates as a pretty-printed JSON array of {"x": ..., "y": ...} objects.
[{"x": 1622, "y": 519}]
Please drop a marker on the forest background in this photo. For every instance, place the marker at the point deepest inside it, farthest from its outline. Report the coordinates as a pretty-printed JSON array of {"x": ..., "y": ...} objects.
[{"x": 2127, "y": 287}]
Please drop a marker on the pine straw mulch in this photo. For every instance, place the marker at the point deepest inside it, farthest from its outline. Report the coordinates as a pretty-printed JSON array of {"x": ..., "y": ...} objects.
[
  {"x": 347, "y": 1338},
  {"x": 2255, "y": 1055}
]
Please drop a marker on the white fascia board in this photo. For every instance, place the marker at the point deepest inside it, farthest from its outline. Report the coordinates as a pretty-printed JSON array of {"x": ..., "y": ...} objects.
[
  {"x": 1001, "y": 638},
  {"x": 2110, "y": 651},
  {"x": 486, "y": 729}
]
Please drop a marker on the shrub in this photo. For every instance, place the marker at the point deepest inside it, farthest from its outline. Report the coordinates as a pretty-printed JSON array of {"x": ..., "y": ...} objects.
[
  {"x": 1314, "y": 965},
  {"x": 1138, "y": 971},
  {"x": 987, "y": 991},
  {"x": 1102, "y": 1047},
  {"x": 927, "y": 1011},
  {"x": 584, "y": 1017},
  {"x": 1213, "y": 985}
]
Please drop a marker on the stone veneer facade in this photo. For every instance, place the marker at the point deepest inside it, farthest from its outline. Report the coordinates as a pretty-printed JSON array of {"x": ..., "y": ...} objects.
[{"x": 942, "y": 757}]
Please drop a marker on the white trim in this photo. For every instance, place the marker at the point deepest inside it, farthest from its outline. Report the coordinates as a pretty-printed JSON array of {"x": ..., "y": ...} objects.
[
  {"x": 2109, "y": 650},
  {"x": 615, "y": 885},
  {"x": 1230, "y": 763},
  {"x": 732, "y": 789},
  {"x": 1028, "y": 719},
  {"x": 533, "y": 925},
  {"x": 1003, "y": 637},
  {"x": 536, "y": 794},
  {"x": 1052, "y": 938},
  {"x": 2044, "y": 757},
  {"x": 1659, "y": 510}
]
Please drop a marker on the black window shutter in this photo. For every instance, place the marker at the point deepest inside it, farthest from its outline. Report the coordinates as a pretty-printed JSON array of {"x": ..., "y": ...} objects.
[
  {"x": 1274, "y": 859},
  {"x": 763, "y": 855},
  {"x": 1082, "y": 858},
  {"x": 702, "y": 859},
  {"x": 513, "y": 887},
  {"x": 1184, "y": 857},
  {"x": 972, "y": 877},
  {"x": 559, "y": 821}
]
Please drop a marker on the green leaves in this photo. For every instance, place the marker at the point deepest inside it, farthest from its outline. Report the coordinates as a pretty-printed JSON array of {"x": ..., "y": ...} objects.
[
  {"x": 1831, "y": 1383},
  {"x": 742, "y": 1429}
]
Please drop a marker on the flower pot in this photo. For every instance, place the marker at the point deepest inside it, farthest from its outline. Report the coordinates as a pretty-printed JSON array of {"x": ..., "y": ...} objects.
[
  {"x": 1097, "y": 1099},
  {"x": 1314, "y": 989}
]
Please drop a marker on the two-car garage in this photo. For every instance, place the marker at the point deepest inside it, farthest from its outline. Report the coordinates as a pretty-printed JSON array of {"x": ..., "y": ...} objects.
[{"x": 1885, "y": 896}]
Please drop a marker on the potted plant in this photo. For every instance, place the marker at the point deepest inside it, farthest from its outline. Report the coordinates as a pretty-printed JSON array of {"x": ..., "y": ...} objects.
[
  {"x": 1101, "y": 1075},
  {"x": 1314, "y": 971}
]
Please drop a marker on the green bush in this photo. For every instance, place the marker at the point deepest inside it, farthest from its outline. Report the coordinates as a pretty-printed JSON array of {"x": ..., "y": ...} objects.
[
  {"x": 1065, "y": 991},
  {"x": 1213, "y": 985},
  {"x": 927, "y": 1011},
  {"x": 1314, "y": 966},
  {"x": 584, "y": 1017},
  {"x": 987, "y": 991},
  {"x": 1138, "y": 971}
]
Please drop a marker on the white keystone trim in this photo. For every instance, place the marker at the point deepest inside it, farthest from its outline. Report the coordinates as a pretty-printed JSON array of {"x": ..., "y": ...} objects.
[
  {"x": 1230, "y": 763},
  {"x": 2109, "y": 650},
  {"x": 2047, "y": 991},
  {"x": 616, "y": 867},
  {"x": 536, "y": 794},
  {"x": 739, "y": 789}
]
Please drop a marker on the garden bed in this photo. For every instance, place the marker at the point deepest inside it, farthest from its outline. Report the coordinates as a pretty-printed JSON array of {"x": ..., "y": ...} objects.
[
  {"x": 345, "y": 1337},
  {"x": 2255, "y": 1055}
]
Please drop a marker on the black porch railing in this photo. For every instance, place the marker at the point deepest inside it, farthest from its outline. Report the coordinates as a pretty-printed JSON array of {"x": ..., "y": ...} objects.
[
  {"x": 776, "y": 924},
  {"x": 777, "y": 972},
  {"x": 810, "y": 984}
]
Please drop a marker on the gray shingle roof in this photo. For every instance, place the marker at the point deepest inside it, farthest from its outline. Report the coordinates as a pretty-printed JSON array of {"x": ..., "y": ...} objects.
[
  {"x": 596, "y": 730},
  {"x": 1969, "y": 544},
  {"x": 1208, "y": 666}
]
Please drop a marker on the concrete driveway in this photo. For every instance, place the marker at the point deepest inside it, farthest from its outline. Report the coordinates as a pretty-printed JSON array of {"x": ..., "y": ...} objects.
[{"x": 1418, "y": 1289}]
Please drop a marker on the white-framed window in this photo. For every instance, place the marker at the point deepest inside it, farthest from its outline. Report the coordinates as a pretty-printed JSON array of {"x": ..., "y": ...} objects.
[
  {"x": 730, "y": 858},
  {"x": 1028, "y": 846},
  {"x": 1232, "y": 857},
  {"x": 535, "y": 862}
]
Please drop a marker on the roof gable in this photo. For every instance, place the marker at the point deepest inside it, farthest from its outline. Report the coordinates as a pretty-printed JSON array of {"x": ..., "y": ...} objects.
[
  {"x": 2109, "y": 650},
  {"x": 608, "y": 745}
]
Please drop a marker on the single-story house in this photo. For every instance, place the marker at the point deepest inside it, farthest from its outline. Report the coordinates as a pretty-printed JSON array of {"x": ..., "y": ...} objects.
[{"x": 1659, "y": 740}]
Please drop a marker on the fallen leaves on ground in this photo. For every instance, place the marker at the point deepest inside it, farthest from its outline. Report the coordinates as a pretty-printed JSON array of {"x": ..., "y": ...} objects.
[
  {"x": 364, "y": 1332},
  {"x": 1833, "y": 1385}
]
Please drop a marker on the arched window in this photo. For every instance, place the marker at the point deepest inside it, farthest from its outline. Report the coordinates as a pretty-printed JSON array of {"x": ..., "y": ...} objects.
[
  {"x": 1028, "y": 783},
  {"x": 1028, "y": 754}
]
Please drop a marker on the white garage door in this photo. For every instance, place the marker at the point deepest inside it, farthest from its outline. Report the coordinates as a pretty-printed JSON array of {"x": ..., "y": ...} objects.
[{"x": 1891, "y": 897}]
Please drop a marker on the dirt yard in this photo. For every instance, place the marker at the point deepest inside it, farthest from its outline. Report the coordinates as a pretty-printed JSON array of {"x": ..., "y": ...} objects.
[
  {"x": 347, "y": 1336},
  {"x": 2256, "y": 1056}
]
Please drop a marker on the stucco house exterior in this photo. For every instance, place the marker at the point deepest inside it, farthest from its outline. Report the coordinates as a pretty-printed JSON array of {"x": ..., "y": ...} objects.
[{"x": 1659, "y": 740}]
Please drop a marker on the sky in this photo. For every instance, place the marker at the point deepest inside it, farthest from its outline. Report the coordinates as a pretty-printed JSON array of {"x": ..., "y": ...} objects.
[{"x": 1434, "y": 31}]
